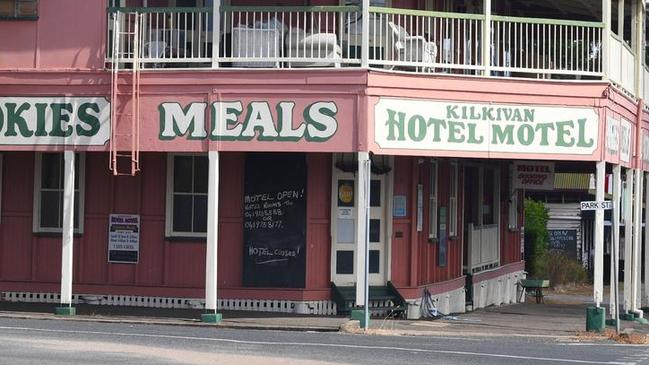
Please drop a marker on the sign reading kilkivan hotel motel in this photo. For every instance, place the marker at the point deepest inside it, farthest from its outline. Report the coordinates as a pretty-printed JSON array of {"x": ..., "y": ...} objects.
[{"x": 448, "y": 126}]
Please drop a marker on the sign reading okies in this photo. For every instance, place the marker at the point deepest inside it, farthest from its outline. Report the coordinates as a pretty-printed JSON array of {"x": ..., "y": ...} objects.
[
  {"x": 82, "y": 121},
  {"x": 447, "y": 126},
  {"x": 231, "y": 122}
]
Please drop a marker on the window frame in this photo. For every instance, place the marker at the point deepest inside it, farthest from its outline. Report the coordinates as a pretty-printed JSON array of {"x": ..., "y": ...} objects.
[
  {"x": 453, "y": 197},
  {"x": 80, "y": 192},
  {"x": 169, "y": 198},
  {"x": 433, "y": 201},
  {"x": 16, "y": 16}
]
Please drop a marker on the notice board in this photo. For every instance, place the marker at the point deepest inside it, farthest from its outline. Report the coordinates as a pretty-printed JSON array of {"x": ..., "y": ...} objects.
[
  {"x": 124, "y": 238},
  {"x": 274, "y": 230},
  {"x": 564, "y": 240}
]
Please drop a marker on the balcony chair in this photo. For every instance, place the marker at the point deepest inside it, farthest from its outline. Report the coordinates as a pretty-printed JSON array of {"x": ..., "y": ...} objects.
[
  {"x": 152, "y": 50},
  {"x": 411, "y": 48},
  {"x": 261, "y": 41},
  {"x": 321, "y": 46}
]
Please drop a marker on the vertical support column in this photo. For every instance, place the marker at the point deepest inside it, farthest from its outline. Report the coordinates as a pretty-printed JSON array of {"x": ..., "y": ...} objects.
[
  {"x": 628, "y": 240},
  {"x": 598, "y": 289},
  {"x": 486, "y": 38},
  {"x": 606, "y": 36},
  {"x": 645, "y": 299},
  {"x": 615, "y": 248},
  {"x": 637, "y": 241},
  {"x": 637, "y": 41},
  {"x": 615, "y": 240},
  {"x": 365, "y": 36},
  {"x": 362, "y": 237},
  {"x": 211, "y": 315},
  {"x": 216, "y": 32},
  {"x": 66, "y": 307}
]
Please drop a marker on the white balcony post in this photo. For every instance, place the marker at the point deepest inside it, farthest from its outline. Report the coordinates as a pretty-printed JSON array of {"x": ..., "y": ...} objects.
[
  {"x": 615, "y": 242},
  {"x": 486, "y": 38},
  {"x": 365, "y": 37},
  {"x": 216, "y": 32},
  {"x": 211, "y": 253},
  {"x": 68, "y": 235},
  {"x": 637, "y": 240},
  {"x": 362, "y": 231},
  {"x": 628, "y": 239},
  {"x": 638, "y": 46},
  {"x": 606, "y": 36},
  {"x": 598, "y": 290},
  {"x": 646, "y": 240}
]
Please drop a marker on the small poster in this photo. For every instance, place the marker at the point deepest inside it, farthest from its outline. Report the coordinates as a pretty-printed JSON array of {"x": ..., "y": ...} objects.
[
  {"x": 345, "y": 193},
  {"x": 399, "y": 206},
  {"x": 534, "y": 175},
  {"x": 124, "y": 238}
]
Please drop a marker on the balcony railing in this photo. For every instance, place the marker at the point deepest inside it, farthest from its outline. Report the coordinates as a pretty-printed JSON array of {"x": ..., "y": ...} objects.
[{"x": 331, "y": 36}]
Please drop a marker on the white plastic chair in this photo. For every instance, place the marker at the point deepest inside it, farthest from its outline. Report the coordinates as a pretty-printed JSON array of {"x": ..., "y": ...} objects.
[{"x": 412, "y": 48}]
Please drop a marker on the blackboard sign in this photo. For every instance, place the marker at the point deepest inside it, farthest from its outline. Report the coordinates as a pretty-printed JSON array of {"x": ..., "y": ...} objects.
[
  {"x": 564, "y": 240},
  {"x": 274, "y": 228}
]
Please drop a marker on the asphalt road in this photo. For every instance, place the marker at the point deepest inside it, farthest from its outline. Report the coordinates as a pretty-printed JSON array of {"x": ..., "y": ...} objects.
[{"x": 68, "y": 342}]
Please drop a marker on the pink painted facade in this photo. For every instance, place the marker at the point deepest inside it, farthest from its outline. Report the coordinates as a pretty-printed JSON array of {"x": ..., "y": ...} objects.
[{"x": 39, "y": 62}]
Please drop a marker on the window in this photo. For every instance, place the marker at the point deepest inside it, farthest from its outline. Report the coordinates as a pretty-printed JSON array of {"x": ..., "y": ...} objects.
[
  {"x": 452, "y": 201},
  {"x": 48, "y": 192},
  {"x": 187, "y": 195},
  {"x": 18, "y": 9},
  {"x": 432, "y": 201},
  {"x": 513, "y": 211}
]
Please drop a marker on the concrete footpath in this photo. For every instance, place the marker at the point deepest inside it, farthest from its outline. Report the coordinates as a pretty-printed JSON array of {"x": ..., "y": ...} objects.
[{"x": 564, "y": 316}]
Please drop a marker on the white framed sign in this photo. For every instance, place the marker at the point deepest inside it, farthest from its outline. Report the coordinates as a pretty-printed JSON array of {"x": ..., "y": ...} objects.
[
  {"x": 124, "y": 238},
  {"x": 56, "y": 120},
  {"x": 412, "y": 124},
  {"x": 625, "y": 141},
  {"x": 534, "y": 175}
]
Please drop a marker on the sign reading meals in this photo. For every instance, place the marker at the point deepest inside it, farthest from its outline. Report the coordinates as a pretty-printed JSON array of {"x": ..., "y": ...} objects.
[{"x": 449, "y": 126}]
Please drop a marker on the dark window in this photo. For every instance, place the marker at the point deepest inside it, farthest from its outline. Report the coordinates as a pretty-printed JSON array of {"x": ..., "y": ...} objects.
[
  {"x": 375, "y": 261},
  {"x": 375, "y": 230},
  {"x": 189, "y": 194},
  {"x": 51, "y": 191},
  {"x": 375, "y": 193},
  {"x": 344, "y": 262},
  {"x": 18, "y": 9}
]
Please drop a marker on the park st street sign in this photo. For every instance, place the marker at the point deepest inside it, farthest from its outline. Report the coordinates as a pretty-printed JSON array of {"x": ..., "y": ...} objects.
[
  {"x": 597, "y": 205},
  {"x": 411, "y": 124}
]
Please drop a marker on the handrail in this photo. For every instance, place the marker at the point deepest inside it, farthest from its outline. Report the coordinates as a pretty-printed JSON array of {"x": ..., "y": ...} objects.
[
  {"x": 160, "y": 10},
  {"x": 577, "y": 23},
  {"x": 439, "y": 14},
  {"x": 307, "y": 9}
]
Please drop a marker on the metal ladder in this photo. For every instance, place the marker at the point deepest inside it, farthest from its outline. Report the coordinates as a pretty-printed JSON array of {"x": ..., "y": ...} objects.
[{"x": 122, "y": 31}]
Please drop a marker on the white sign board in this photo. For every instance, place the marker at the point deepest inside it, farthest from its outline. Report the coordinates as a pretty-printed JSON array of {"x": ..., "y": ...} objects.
[
  {"x": 124, "y": 238},
  {"x": 534, "y": 175},
  {"x": 595, "y": 205},
  {"x": 411, "y": 124},
  {"x": 73, "y": 121},
  {"x": 625, "y": 142}
]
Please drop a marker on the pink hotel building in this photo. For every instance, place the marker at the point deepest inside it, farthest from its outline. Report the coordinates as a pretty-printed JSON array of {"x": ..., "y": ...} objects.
[{"x": 281, "y": 156}]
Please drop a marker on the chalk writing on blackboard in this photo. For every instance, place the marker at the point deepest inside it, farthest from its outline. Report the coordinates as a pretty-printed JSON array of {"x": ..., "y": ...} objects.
[{"x": 274, "y": 225}]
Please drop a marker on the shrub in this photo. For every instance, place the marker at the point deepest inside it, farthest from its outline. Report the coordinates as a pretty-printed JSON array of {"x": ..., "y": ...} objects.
[
  {"x": 536, "y": 238},
  {"x": 562, "y": 270}
]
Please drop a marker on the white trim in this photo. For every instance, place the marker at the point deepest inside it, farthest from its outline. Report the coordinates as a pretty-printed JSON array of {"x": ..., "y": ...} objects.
[
  {"x": 433, "y": 201},
  {"x": 36, "y": 212},
  {"x": 169, "y": 206}
]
